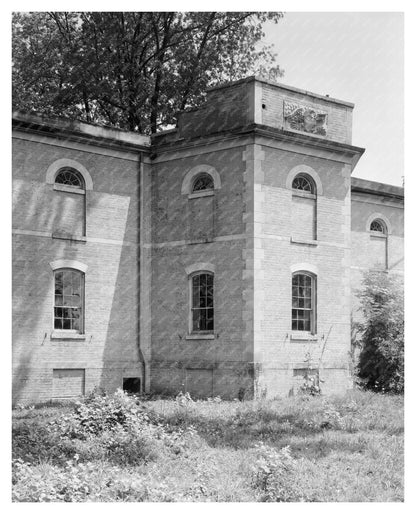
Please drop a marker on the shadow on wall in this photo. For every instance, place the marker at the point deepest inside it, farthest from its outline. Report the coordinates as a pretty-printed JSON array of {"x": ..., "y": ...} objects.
[
  {"x": 121, "y": 349},
  {"x": 32, "y": 287}
]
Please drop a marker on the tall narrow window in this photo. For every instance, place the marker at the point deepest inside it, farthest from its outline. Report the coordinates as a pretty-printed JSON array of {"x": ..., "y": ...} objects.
[
  {"x": 202, "y": 302},
  {"x": 378, "y": 244},
  {"x": 69, "y": 189},
  {"x": 69, "y": 300},
  {"x": 303, "y": 208},
  {"x": 304, "y": 302}
]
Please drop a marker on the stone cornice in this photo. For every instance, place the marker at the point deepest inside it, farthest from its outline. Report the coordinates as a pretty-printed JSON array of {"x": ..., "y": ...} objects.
[
  {"x": 80, "y": 132},
  {"x": 370, "y": 187},
  {"x": 254, "y": 131}
]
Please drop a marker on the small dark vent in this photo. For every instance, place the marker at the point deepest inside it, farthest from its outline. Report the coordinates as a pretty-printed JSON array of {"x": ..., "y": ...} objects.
[{"x": 131, "y": 385}]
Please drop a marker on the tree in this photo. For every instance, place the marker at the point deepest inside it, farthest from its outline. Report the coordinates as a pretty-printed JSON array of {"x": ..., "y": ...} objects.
[
  {"x": 381, "y": 335},
  {"x": 132, "y": 70}
]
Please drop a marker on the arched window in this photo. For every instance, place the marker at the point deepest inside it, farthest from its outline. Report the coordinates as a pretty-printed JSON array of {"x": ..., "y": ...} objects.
[
  {"x": 69, "y": 300},
  {"x": 377, "y": 251},
  {"x": 378, "y": 226},
  {"x": 70, "y": 181},
  {"x": 303, "y": 183},
  {"x": 203, "y": 182},
  {"x": 304, "y": 302},
  {"x": 202, "y": 302},
  {"x": 70, "y": 177},
  {"x": 303, "y": 208}
]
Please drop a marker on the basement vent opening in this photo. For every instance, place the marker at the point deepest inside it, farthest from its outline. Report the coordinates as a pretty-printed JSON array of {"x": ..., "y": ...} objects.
[{"x": 131, "y": 385}]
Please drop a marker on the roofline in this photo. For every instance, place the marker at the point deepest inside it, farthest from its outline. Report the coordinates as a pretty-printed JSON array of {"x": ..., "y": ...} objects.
[
  {"x": 102, "y": 136},
  {"x": 274, "y": 133},
  {"x": 359, "y": 185},
  {"x": 255, "y": 78}
]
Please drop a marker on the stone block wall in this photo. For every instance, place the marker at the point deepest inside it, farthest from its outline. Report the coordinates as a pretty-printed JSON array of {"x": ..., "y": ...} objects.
[
  {"x": 280, "y": 350},
  {"x": 176, "y": 355},
  {"x": 108, "y": 351}
]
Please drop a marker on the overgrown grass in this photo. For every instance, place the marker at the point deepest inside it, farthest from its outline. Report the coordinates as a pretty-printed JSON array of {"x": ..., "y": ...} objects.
[{"x": 347, "y": 448}]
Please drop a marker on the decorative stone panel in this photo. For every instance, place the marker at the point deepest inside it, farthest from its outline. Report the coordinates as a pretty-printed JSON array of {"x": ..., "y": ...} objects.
[{"x": 305, "y": 118}]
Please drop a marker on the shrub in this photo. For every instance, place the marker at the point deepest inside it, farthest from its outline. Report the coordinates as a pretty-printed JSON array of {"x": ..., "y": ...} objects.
[
  {"x": 99, "y": 413},
  {"x": 274, "y": 474},
  {"x": 381, "y": 335},
  {"x": 116, "y": 426}
]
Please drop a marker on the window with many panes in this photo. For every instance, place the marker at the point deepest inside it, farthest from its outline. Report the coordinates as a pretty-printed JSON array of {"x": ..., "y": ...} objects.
[
  {"x": 202, "y": 302},
  {"x": 69, "y": 300},
  {"x": 304, "y": 302}
]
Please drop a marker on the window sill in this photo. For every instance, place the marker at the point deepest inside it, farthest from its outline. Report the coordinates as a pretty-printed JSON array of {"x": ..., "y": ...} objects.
[
  {"x": 69, "y": 237},
  {"x": 201, "y": 194},
  {"x": 200, "y": 336},
  {"x": 303, "y": 337},
  {"x": 63, "y": 334},
  {"x": 309, "y": 242},
  {"x": 303, "y": 194},
  {"x": 68, "y": 189}
]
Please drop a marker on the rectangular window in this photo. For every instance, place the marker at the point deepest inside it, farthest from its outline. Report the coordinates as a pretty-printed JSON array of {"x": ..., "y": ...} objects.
[
  {"x": 69, "y": 300},
  {"x": 202, "y": 302},
  {"x": 303, "y": 303}
]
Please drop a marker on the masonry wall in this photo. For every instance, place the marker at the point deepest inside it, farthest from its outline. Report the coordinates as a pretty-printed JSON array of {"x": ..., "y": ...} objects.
[
  {"x": 282, "y": 352},
  {"x": 219, "y": 366},
  {"x": 364, "y": 209},
  {"x": 109, "y": 351},
  {"x": 339, "y": 113}
]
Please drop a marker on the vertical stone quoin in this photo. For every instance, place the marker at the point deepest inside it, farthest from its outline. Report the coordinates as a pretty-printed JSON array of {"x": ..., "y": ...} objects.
[{"x": 253, "y": 274}]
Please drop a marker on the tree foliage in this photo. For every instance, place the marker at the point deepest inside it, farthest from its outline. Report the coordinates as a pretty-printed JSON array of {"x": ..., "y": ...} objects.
[
  {"x": 133, "y": 70},
  {"x": 381, "y": 360}
]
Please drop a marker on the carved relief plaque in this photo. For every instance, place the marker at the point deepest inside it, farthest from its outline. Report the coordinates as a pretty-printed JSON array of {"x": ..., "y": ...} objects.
[{"x": 306, "y": 119}]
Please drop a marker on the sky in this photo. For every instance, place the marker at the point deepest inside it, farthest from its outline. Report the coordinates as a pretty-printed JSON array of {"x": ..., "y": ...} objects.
[{"x": 357, "y": 57}]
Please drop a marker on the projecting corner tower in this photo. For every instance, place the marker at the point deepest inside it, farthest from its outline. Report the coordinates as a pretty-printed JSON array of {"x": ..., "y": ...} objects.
[{"x": 272, "y": 232}]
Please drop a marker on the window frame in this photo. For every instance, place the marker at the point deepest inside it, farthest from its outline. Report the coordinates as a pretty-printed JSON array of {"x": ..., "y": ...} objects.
[
  {"x": 197, "y": 177},
  {"x": 377, "y": 234},
  {"x": 64, "y": 331},
  {"x": 383, "y": 226},
  {"x": 70, "y": 187},
  {"x": 300, "y": 193},
  {"x": 313, "y": 316},
  {"x": 192, "y": 333}
]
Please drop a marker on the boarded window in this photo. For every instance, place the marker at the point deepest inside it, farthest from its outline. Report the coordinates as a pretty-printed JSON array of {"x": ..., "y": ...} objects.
[
  {"x": 377, "y": 257},
  {"x": 69, "y": 204},
  {"x": 68, "y": 383},
  {"x": 199, "y": 382},
  {"x": 69, "y": 213},
  {"x": 304, "y": 217},
  {"x": 201, "y": 218}
]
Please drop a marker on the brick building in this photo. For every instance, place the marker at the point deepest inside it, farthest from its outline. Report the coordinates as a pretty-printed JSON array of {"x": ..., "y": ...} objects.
[{"x": 217, "y": 258}]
